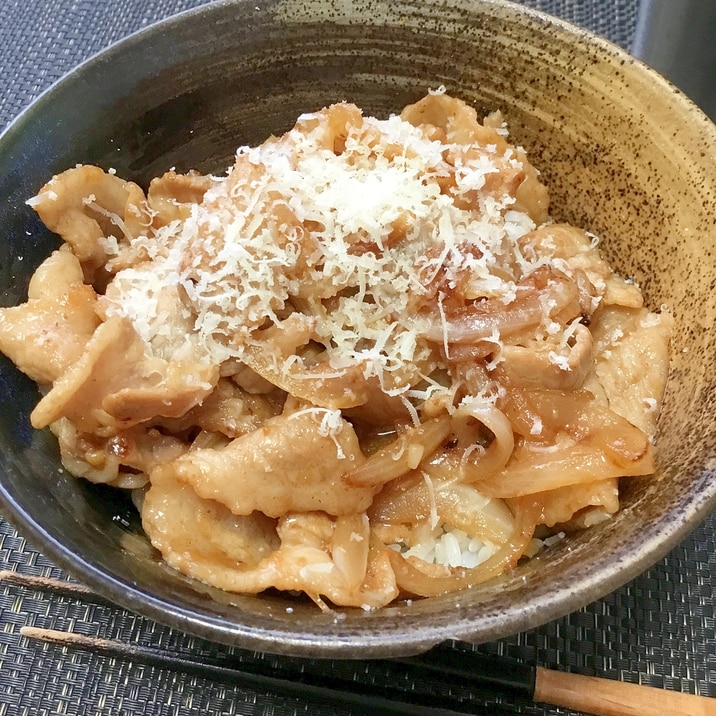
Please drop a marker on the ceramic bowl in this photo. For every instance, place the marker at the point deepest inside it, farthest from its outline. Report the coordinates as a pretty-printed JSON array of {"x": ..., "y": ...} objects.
[{"x": 625, "y": 155}]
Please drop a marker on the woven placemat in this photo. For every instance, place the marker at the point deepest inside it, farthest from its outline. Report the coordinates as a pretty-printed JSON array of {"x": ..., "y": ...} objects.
[{"x": 660, "y": 629}]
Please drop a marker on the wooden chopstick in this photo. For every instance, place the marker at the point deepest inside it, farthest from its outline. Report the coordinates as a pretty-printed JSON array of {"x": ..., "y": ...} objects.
[
  {"x": 592, "y": 695},
  {"x": 304, "y": 685},
  {"x": 589, "y": 694},
  {"x": 48, "y": 584},
  {"x": 607, "y": 697}
]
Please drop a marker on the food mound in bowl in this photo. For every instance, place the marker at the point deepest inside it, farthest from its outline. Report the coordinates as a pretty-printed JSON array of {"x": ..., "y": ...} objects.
[{"x": 363, "y": 365}]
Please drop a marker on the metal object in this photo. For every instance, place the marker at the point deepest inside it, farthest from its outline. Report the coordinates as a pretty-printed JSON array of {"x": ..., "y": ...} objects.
[{"x": 678, "y": 40}]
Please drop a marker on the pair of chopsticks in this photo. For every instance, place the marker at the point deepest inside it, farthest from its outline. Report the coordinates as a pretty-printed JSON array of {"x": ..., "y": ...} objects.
[{"x": 456, "y": 663}]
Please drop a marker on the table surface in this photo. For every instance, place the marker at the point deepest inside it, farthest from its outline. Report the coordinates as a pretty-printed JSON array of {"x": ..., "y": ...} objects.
[{"x": 660, "y": 629}]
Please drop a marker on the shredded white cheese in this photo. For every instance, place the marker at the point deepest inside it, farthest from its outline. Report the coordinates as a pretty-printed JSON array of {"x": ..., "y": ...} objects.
[{"x": 351, "y": 237}]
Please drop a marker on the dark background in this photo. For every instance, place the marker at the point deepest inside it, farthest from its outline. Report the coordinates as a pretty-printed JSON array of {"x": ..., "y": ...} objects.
[{"x": 659, "y": 630}]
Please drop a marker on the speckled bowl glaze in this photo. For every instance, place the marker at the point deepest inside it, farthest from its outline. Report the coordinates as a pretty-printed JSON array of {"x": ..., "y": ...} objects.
[{"x": 626, "y": 156}]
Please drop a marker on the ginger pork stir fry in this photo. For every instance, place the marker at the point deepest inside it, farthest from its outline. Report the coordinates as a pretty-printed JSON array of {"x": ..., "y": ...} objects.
[{"x": 363, "y": 365}]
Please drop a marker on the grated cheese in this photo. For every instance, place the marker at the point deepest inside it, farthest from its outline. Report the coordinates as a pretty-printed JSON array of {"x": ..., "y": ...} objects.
[
  {"x": 296, "y": 224},
  {"x": 561, "y": 361},
  {"x": 434, "y": 517},
  {"x": 331, "y": 424}
]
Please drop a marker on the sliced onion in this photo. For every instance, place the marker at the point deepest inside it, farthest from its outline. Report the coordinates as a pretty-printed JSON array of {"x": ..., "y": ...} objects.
[
  {"x": 544, "y": 292},
  {"x": 482, "y": 324},
  {"x": 531, "y": 471},
  {"x": 402, "y": 455},
  {"x": 429, "y": 582},
  {"x": 350, "y": 544}
]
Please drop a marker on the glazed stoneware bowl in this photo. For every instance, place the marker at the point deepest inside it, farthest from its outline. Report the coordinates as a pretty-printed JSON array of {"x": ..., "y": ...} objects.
[{"x": 626, "y": 156}]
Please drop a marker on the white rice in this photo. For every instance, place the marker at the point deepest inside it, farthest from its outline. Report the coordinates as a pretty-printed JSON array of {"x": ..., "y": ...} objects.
[
  {"x": 448, "y": 546},
  {"x": 454, "y": 548}
]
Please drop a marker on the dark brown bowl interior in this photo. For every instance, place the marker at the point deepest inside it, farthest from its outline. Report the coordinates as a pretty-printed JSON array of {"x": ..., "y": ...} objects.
[{"x": 626, "y": 157}]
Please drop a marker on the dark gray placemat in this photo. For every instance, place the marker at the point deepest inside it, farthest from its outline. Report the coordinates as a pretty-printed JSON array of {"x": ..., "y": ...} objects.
[{"x": 660, "y": 629}]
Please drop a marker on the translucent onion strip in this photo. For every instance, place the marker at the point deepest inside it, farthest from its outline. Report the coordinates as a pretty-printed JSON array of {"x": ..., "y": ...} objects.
[
  {"x": 531, "y": 471},
  {"x": 409, "y": 500},
  {"x": 321, "y": 385},
  {"x": 402, "y": 455},
  {"x": 426, "y": 581},
  {"x": 350, "y": 543},
  {"x": 480, "y": 325}
]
